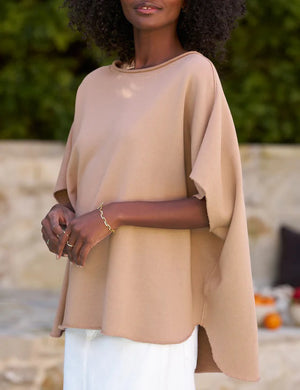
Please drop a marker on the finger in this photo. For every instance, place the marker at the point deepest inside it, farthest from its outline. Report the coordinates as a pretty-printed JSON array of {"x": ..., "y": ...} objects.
[
  {"x": 49, "y": 242},
  {"x": 71, "y": 258},
  {"x": 53, "y": 241},
  {"x": 69, "y": 216},
  {"x": 47, "y": 229},
  {"x": 65, "y": 252},
  {"x": 75, "y": 251},
  {"x": 56, "y": 220},
  {"x": 51, "y": 246},
  {"x": 56, "y": 229},
  {"x": 45, "y": 237},
  {"x": 84, "y": 251},
  {"x": 62, "y": 241},
  {"x": 69, "y": 252}
]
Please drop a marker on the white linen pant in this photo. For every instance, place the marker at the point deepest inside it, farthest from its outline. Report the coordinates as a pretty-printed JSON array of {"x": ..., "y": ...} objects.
[{"x": 94, "y": 361}]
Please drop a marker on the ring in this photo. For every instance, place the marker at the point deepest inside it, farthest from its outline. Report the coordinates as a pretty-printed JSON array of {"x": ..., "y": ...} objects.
[
  {"x": 70, "y": 245},
  {"x": 47, "y": 243}
]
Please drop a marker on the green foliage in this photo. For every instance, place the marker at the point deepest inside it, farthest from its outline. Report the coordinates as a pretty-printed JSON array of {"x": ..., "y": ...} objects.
[
  {"x": 42, "y": 62},
  {"x": 261, "y": 77}
]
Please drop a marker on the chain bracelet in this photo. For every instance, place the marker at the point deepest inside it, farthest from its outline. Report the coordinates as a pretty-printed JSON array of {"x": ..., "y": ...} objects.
[{"x": 104, "y": 219}]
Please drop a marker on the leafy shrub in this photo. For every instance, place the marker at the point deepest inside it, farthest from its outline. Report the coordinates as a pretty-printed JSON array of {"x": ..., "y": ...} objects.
[
  {"x": 42, "y": 62},
  {"x": 261, "y": 79}
]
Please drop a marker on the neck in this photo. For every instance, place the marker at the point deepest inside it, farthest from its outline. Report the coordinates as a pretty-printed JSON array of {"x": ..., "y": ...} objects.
[{"x": 155, "y": 46}]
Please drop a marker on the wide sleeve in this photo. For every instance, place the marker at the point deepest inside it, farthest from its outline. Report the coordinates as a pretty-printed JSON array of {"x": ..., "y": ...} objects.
[
  {"x": 229, "y": 315},
  {"x": 65, "y": 187},
  {"x": 216, "y": 165},
  {"x": 60, "y": 189}
]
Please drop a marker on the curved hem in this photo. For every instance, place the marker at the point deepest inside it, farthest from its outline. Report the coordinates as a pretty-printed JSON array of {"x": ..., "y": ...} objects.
[
  {"x": 216, "y": 360},
  {"x": 63, "y": 327},
  {"x": 225, "y": 372}
]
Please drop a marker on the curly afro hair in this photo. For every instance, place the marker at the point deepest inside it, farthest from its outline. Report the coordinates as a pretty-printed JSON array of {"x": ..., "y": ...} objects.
[{"x": 204, "y": 26}]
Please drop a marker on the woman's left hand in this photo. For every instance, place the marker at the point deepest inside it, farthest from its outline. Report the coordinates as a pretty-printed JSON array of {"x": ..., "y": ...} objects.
[{"x": 84, "y": 232}]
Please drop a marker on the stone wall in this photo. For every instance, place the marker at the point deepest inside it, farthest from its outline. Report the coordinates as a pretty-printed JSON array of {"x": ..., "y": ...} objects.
[
  {"x": 28, "y": 173},
  {"x": 271, "y": 176},
  {"x": 27, "y": 176}
]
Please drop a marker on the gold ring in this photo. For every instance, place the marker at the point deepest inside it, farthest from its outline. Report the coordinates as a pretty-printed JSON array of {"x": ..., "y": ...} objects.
[{"x": 70, "y": 245}]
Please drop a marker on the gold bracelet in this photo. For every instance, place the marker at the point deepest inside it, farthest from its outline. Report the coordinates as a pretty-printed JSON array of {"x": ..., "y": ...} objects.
[{"x": 104, "y": 219}]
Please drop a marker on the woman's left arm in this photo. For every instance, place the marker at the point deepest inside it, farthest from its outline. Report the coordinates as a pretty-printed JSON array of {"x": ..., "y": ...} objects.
[
  {"x": 187, "y": 213},
  {"x": 85, "y": 231}
]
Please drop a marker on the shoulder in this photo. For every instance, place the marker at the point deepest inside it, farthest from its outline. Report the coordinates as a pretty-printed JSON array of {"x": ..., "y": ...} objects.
[
  {"x": 93, "y": 77},
  {"x": 198, "y": 61},
  {"x": 199, "y": 68},
  {"x": 88, "y": 85},
  {"x": 201, "y": 77}
]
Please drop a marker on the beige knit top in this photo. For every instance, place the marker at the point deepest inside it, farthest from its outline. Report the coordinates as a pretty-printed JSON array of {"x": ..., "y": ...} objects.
[{"x": 155, "y": 284}]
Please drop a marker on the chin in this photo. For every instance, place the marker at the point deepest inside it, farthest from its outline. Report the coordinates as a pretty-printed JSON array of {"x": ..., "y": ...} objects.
[{"x": 147, "y": 26}]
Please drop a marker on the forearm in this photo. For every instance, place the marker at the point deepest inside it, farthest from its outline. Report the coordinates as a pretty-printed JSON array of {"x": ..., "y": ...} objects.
[{"x": 187, "y": 213}]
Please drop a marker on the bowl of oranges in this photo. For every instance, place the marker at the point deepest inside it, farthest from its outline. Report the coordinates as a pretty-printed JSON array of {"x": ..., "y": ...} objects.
[{"x": 266, "y": 313}]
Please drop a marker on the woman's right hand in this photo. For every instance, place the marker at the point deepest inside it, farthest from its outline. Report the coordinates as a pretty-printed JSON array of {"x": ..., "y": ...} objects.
[{"x": 54, "y": 224}]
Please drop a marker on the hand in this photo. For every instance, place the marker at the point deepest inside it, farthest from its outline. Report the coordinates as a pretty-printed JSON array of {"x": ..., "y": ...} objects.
[
  {"x": 58, "y": 217},
  {"x": 84, "y": 232}
]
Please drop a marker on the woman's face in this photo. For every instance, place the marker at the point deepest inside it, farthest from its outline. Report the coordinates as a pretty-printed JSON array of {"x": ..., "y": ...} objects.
[{"x": 153, "y": 14}]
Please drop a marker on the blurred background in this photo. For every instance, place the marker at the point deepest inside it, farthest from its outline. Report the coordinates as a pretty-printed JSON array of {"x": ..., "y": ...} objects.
[{"x": 42, "y": 62}]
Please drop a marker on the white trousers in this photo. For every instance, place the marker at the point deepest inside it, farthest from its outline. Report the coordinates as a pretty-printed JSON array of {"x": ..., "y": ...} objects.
[{"x": 94, "y": 361}]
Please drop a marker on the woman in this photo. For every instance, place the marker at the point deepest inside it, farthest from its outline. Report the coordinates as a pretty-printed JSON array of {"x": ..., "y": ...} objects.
[{"x": 150, "y": 205}]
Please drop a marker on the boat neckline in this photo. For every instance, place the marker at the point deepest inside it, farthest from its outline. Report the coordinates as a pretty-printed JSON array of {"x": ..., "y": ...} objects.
[{"x": 124, "y": 69}]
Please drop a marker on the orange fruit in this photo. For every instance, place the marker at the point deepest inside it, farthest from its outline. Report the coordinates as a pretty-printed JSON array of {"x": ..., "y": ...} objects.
[
  {"x": 272, "y": 320},
  {"x": 263, "y": 299},
  {"x": 267, "y": 300},
  {"x": 257, "y": 298}
]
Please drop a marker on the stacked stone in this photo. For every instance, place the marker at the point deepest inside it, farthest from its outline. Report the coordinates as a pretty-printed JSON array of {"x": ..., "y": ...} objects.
[{"x": 29, "y": 358}]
